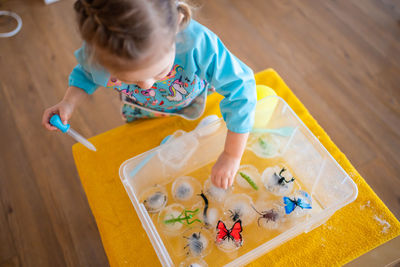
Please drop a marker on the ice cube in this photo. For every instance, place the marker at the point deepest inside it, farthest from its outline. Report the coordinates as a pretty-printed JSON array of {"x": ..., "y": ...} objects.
[
  {"x": 193, "y": 262},
  {"x": 238, "y": 207},
  {"x": 278, "y": 180},
  {"x": 154, "y": 199},
  {"x": 265, "y": 145},
  {"x": 197, "y": 242},
  {"x": 167, "y": 215},
  {"x": 186, "y": 189},
  {"x": 250, "y": 171},
  {"x": 298, "y": 204},
  {"x": 271, "y": 214},
  {"x": 216, "y": 193},
  {"x": 177, "y": 151}
]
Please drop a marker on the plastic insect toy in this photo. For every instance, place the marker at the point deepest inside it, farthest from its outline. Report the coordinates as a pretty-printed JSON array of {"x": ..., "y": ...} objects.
[
  {"x": 263, "y": 144},
  {"x": 155, "y": 201},
  {"x": 291, "y": 204},
  {"x": 233, "y": 234},
  {"x": 268, "y": 215},
  {"x": 205, "y": 208},
  {"x": 194, "y": 244},
  {"x": 235, "y": 215},
  {"x": 281, "y": 179},
  {"x": 183, "y": 191},
  {"x": 249, "y": 180},
  {"x": 184, "y": 217}
]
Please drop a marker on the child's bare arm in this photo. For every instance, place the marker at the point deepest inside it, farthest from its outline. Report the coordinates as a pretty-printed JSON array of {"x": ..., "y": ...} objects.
[
  {"x": 224, "y": 170},
  {"x": 65, "y": 107}
]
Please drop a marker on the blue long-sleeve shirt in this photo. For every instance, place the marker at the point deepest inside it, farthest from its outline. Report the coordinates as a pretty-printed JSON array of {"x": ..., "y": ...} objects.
[{"x": 201, "y": 61}]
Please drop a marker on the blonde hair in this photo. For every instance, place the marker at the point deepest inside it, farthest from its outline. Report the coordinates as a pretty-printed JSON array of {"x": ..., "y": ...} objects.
[{"x": 127, "y": 30}]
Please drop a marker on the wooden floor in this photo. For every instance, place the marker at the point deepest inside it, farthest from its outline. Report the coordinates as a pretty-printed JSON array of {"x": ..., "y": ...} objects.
[{"x": 340, "y": 57}]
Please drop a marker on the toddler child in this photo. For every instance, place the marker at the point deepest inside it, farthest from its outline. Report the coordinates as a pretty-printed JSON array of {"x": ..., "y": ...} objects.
[{"x": 162, "y": 63}]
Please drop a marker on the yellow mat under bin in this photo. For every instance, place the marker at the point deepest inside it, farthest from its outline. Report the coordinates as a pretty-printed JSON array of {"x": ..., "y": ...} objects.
[{"x": 355, "y": 229}]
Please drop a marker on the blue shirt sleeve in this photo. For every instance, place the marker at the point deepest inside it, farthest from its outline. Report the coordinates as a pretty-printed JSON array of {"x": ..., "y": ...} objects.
[
  {"x": 230, "y": 77},
  {"x": 85, "y": 76},
  {"x": 80, "y": 78}
]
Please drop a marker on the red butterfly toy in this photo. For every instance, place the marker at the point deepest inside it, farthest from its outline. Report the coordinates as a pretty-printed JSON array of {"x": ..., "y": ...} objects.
[{"x": 233, "y": 234}]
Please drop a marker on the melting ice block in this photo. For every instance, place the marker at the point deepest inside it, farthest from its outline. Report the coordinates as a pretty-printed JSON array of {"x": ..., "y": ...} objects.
[
  {"x": 154, "y": 198},
  {"x": 185, "y": 189},
  {"x": 278, "y": 180},
  {"x": 177, "y": 150}
]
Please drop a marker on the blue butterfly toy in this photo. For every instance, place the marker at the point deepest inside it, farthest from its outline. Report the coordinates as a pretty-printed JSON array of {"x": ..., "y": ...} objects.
[{"x": 291, "y": 204}]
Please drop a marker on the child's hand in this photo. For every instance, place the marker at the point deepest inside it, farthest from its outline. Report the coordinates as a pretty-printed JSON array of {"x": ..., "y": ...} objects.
[
  {"x": 64, "y": 109},
  {"x": 224, "y": 171}
]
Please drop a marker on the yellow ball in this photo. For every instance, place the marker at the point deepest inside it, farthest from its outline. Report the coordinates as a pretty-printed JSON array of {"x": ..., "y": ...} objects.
[
  {"x": 264, "y": 91},
  {"x": 265, "y": 106}
]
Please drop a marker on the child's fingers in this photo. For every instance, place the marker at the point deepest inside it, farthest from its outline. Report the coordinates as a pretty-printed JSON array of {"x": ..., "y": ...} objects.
[
  {"x": 65, "y": 113},
  {"x": 216, "y": 181},
  {"x": 64, "y": 119},
  {"x": 224, "y": 182},
  {"x": 50, "y": 127},
  {"x": 213, "y": 179},
  {"x": 231, "y": 180},
  {"x": 65, "y": 116},
  {"x": 46, "y": 117}
]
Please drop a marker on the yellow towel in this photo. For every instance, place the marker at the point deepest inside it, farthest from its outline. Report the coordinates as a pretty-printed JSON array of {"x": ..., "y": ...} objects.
[{"x": 357, "y": 228}]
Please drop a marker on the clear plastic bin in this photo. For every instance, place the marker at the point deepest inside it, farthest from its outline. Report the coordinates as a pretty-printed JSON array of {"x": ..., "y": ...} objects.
[{"x": 320, "y": 175}]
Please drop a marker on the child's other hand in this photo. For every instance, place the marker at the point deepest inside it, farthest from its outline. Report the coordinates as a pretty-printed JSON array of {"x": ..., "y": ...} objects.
[
  {"x": 224, "y": 170},
  {"x": 64, "y": 109}
]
